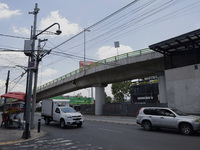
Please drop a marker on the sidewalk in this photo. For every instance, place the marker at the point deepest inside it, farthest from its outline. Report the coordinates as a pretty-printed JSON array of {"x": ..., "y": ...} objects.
[{"x": 14, "y": 135}]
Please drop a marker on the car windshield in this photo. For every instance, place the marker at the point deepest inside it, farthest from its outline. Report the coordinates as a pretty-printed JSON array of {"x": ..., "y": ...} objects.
[
  {"x": 68, "y": 110},
  {"x": 178, "y": 112}
]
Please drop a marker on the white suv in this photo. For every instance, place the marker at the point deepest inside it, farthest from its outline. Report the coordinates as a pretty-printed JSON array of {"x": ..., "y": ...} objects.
[{"x": 161, "y": 117}]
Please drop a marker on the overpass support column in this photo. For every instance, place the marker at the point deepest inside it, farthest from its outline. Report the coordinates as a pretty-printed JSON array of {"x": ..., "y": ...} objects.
[
  {"x": 162, "y": 88},
  {"x": 100, "y": 99}
]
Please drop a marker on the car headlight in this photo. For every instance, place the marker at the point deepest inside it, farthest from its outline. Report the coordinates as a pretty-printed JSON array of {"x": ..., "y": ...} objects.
[{"x": 69, "y": 116}]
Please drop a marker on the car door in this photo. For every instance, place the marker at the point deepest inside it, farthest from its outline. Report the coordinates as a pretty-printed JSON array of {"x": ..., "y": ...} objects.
[
  {"x": 151, "y": 116},
  {"x": 168, "y": 119},
  {"x": 56, "y": 114},
  {"x": 155, "y": 118}
]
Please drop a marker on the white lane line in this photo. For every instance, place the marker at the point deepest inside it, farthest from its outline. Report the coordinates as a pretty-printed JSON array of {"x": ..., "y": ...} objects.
[{"x": 109, "y": 130}]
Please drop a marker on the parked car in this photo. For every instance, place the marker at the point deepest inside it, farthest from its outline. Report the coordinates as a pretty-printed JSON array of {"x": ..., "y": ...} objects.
[{"x": 159, "y": 117}]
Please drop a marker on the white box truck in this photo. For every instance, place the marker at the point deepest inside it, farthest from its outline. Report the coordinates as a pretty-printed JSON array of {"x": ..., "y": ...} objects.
[{"x": 59, "y": 111}]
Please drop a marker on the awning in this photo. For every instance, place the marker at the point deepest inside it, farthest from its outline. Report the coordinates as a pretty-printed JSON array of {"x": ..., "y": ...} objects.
[{"x": 16, "y": 95}]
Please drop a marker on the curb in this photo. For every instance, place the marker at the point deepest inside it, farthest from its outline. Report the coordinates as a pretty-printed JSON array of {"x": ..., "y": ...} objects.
[{"x": 116, "y": 122}]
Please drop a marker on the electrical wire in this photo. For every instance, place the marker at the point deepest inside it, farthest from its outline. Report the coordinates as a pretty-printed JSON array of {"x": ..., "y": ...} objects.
[
  {"x": 12, "y": 36},
  {"x": 104, "y": 19},
  {"x": 16, "y": 83},
  {"x": 121, "y": 27}
]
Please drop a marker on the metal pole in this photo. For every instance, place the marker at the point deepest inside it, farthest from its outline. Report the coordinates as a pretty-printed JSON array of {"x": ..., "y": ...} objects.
[
  {"x": 26, "y": 133},
  {"x": 37, "y": 60},
  {"x": 92, "y": 95},
  {"x": 8, "y": 77},
  {"x": 39, "y": 125},
  {"x": 29, "y": 59},
  {"x": 117, "y": 54},
  {"x": 35, "y": 88},
  {"x": 84, "y": 50}
]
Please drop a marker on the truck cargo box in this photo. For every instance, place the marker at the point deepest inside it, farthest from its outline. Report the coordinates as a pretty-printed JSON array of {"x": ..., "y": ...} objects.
[{"x": 49, "y": 105}]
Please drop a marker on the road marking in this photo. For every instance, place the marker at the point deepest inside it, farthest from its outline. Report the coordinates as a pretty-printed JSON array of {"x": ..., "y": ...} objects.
[{"x": 109, "y": 130}]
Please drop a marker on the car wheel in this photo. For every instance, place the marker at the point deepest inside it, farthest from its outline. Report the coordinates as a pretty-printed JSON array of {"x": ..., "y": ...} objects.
[
  {"x": 147, "y": 125},
  {"x": 186, "y": 129},
  {"x": 47, "y": 121},
  {"x": 79, "y": 125},
  {"x": 62, "y": 123}
]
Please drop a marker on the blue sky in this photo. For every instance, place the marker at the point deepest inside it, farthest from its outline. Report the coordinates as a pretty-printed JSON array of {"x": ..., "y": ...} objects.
[{"x": 143, "y": 23}]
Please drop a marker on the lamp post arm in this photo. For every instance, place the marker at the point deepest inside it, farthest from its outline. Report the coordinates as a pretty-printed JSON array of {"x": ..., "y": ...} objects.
[{"x": 35, "y": 37}]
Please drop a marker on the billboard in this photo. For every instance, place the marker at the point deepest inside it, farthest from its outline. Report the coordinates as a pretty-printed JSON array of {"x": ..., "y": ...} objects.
[
  {"x": 87, "y": 63},
  {"x": 79, "y": 100}
]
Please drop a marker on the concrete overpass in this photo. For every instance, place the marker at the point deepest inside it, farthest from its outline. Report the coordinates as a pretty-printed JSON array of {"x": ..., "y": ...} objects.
[{"x": 137, "y": 64}]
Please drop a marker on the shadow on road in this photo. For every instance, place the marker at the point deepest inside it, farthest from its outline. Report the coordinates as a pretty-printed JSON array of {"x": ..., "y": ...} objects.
[{"x": 169, "y": 131}]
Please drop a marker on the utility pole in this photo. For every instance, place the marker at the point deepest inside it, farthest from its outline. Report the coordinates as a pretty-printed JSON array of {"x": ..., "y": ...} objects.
[
  {"x": 7, "y": 81},
  {"x": 34, "y": 90},
  {"x": 37, "y": 60},
  {"x": 27, "y": 77},
  {"x": 26, "y": 133}
]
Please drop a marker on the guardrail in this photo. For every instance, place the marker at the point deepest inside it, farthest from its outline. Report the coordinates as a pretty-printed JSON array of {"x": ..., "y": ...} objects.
[{"x": 104, "y": 61}]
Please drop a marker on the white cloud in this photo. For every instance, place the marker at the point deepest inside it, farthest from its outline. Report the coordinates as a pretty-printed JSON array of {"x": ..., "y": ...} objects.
[
  {"x": 13, "y": 58},
  {"x": 6, "y": 12},
  {"x": 66, "y": 27},
  {"x": 48, "y": 73},
  {"x": 21, "y": 30},
  {"x": 108, "y": 51}
]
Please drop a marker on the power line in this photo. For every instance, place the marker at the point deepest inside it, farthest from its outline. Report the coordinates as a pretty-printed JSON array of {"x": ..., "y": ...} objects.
[
  {"x": 10, "y": 50},
  {"x": 117, "y": 29},
  {"x": 125, "y": 25},
  {"x": 116, "y": 12},
  {"x": 12, "y": 36},
  {"x": 20, "y": 77}
]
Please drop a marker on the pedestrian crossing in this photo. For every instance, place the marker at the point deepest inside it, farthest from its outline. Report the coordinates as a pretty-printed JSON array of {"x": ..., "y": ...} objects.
[{"x": 50, "y": 144}]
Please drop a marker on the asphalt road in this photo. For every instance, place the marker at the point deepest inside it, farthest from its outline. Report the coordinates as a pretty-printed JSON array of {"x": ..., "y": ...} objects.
[{"x": 108, "y": 136}]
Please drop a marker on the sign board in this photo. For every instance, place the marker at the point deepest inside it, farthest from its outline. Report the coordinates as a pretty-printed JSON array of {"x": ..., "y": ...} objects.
[
  {"x": 87, "y": 63},
  {"x": 117, "y": 44}
]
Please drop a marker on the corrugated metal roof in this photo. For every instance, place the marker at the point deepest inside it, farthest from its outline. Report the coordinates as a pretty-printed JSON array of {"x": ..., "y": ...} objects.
[{"x": 179, "y": 43}]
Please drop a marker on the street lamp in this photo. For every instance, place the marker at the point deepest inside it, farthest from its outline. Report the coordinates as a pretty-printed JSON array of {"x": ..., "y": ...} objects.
[
  {"x": 84, "y": 48},
  {"x": 26, "y": 133},
  {"x": 58, "y": 32}
]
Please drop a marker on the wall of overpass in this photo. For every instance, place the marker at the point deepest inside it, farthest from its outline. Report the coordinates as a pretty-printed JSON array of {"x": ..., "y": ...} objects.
[{"x": 133, "y": 67}]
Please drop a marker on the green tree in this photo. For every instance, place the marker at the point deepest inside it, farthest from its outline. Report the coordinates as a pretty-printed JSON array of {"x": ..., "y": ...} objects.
[
  {"x": 108, "y": 99},
  {"x": 121, "y": 91}
]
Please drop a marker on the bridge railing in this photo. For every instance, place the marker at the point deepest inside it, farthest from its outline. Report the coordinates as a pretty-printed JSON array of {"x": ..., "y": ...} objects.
[{"x": 104, "y": 61}]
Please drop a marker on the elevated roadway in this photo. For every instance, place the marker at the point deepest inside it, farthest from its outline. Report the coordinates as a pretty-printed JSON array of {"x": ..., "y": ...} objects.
[{"x": 137, "y": 64}]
